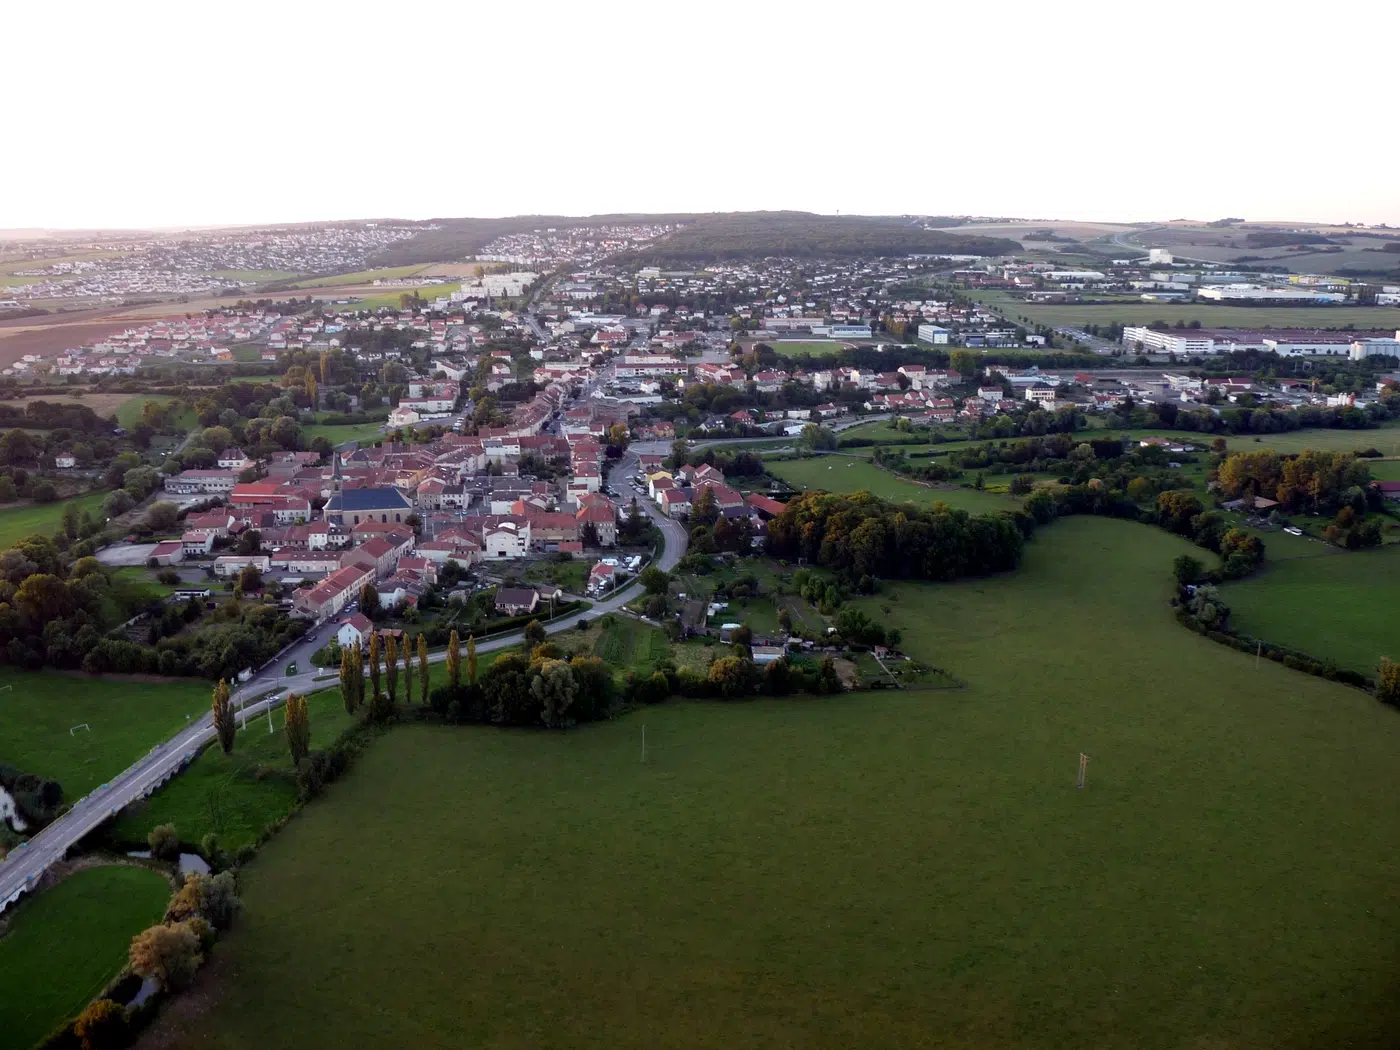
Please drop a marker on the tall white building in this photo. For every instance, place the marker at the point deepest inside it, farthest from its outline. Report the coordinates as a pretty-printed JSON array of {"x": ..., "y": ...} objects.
[{"x": 1186, "y": 342}]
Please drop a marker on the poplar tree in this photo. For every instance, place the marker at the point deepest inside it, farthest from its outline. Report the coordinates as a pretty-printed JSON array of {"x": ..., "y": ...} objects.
[
  {"x": 391, "y": 667},
  {"x": 374, "y": 664},
  {"x": 297, "y": 722},
  {"x": 407, "y": 653},
  {"x": 454, "y": 660},
  {"x": 422, "y": 667},
  {"x": 224, "y": 724},
  {"x": 347, "y": 679},
  {"x": 471, "y": 659}
]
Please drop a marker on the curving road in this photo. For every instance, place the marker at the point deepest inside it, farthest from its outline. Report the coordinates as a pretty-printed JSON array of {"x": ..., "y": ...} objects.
[{"x": 21, "y": 870}]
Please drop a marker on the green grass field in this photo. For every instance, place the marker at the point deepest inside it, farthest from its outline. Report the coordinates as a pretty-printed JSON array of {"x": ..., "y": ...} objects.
[
  {"x": 234, "y": 795},
  {"x": 126, "y": 718},
  {"x": 362, "y": 277},
  {"x": 338, "y": 434},
  {"x": 1210, "y": 315},
  {"x": 845, "y": 474},
  {"x": 129, "y": 412},
  {"x": 24, "y": 520},
  {"x": 816, "y": 347},
  {"x": 905, "y": 870},
  {"x": 1341, "y": 608},
  {"x": 64, "y": 945}
]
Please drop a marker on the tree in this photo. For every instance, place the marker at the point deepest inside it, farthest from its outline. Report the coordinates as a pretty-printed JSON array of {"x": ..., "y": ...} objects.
[
  {"x": 554, "y": 689},
  {"x": 965, "y": 362},
  {"x": 1388, "y": 687},
  {"x": 454, "y": 660},
  {"x": 168, "y": 955},
  {"x": 705, "y": 509},
  {"x": 534, "y": 634},
  {"x": 297, "y": 722},
  {"x": 369, "y": 601},
  {"x": 741, "y": 639},
  {"x": 654, "y": 580},
  {"x": 164, "y": 841},
  {"x": 250, "y": 542},
  {"x": 730, "y": 675},
  {"x": 374, "y": 664},
  {"x": 1187, "y": 569},
  {"x": 224, "y": 724},
  {"x": 348, "y": 658},
  {"x": 391, "y": 667},
  {"x": 423, "y": 680},
  {"x": 218, "y": 896},
  {"x": 471, "y": 660},
  {"x": 102, "y": 1026},
  {"x": 161, "y": 516},
  {"x": 250, "y": 579},
  {"x": 784, "y": 618},
  {"x": 407, "y": 652},
  {"x": 816, "y": 437}
]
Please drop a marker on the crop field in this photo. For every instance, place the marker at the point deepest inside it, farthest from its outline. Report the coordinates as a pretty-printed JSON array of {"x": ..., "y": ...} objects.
[
  {"x": 66, "y": 943},
  {"x": 1211, "y": 315},
  {"x": 626, "y": 645},
  {"x": 1341, "y": 608},
  {"x": 21, "y": 520},
  {"x": 845, "y": 474},
  {"x": 256, "y": 276},
  {"x": 866, "y": 870},
  {"x": 125, "y": 718},
  {"x": 1385, "y": 438},
  {"x": 235, "y": 796}
]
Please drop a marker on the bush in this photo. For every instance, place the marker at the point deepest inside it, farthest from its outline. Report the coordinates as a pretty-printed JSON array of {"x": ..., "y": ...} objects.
[{"x": 164, "y": 841}]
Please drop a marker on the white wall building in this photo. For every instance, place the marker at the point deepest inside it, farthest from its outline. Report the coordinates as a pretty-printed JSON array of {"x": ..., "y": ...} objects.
[{"x": 1184, "y": 342}]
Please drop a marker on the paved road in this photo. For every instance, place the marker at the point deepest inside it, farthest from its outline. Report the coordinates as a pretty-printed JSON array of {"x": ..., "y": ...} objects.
[{"x": 23, "y": 867}]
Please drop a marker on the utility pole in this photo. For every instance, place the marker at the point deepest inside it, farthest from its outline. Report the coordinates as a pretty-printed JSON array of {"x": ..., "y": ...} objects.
[{"x": 1083, "y": 771}]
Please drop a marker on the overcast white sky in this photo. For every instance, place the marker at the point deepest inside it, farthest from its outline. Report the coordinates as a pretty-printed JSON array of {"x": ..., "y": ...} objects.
[{"x": 151, "y": 114}]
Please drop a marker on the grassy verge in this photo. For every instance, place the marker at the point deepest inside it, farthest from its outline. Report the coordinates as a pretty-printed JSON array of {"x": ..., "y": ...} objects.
[
  {"x": 67, "y": 943},
  {"x": 234, "y": 796}
]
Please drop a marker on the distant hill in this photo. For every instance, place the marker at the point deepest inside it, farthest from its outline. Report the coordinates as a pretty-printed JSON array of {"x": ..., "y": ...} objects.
[
  {"x": 753, "y": 235},
  {"x": 710, "y": 237}
]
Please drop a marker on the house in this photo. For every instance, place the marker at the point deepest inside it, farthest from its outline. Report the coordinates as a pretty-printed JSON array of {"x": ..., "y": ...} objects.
[
  {"x": 233, "y": 459},
  {"x": 766, "y": 507},
  {"x": 675, "y": 503},
  {"x": 516, "y": 601},
  {"x": 215, "y": 522},
  {"x": 1389, "y": 489},
  {"x": 192, "y": 482},
  {"x": 65, "y": 461},
  {"x": 508, "y": 539},
  {"x": 169, "y": 552},
  {"x": 232, "y": 564},
  {"x": 766, "y": 654},
  {"x": 603, "y": 519},
  {"x": 197, "y": 543},
  {"x": 379, "y": 555},
  {"x": 333, "y": 593},
  {"x": 602, "y": 578},
  {"x": 355, "y": 631}
]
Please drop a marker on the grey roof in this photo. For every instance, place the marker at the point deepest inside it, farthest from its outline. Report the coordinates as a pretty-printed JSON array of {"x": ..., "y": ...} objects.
[{"x": 387, "y": 498}]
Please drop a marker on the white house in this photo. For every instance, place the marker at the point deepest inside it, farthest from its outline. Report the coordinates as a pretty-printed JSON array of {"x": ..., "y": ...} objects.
[{"x": 355, "y": 631}]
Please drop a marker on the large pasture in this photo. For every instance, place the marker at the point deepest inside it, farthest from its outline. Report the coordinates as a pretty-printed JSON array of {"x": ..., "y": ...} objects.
[
  {"x": 848, "y": 474},
  {"x": 875, "y": 871},
  {"x": 1342, "y": 608}
]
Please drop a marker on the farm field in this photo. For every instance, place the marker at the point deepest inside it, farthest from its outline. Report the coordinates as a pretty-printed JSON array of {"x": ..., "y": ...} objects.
[
  {"x": 626, "y": 645},
  {"x": 66, "y": 943},
  {"x": 863, "y": 871},
  {"x": 1386, "y": 438},
  {"x": 365, "y": 277},
  {"x": 129, "y": 412},
  {"x": 1210, "y": 315},
  {"x": 257, "y": 276},
  {"x": 235, "y": 796},
  {"x": 126, "y": 717},
  {"x": 845, "y": 474},
  {"x": 21, "y": 520},
  {"x": 815, "y": 347},
  {"x": 1340, "y": 608}
]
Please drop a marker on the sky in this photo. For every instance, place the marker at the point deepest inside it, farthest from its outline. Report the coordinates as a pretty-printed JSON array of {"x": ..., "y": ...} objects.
[{"x": 140, "y": 114}]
